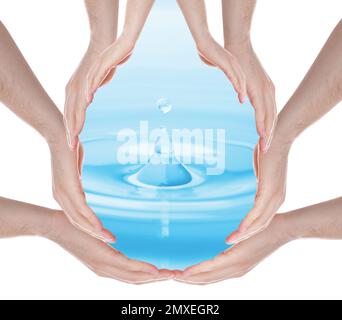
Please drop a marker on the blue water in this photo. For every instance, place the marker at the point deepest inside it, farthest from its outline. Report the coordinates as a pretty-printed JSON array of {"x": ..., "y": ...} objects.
[{"x": 172, "y": 214}]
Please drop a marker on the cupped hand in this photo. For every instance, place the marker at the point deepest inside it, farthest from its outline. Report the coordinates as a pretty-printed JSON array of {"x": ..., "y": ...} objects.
[
  {"x": 68, "y": 192},
  {"x": 260, "y": 90},
  {"x": 213, "y": 54},
  {"x": 76, "y": 102},
  {"x": 105, "y": 64},
  {"x": 101, "y": 258},
  {"x": 238, "y": 260},
  {"x": 271, "y": 172},
  {"x": 98, "y": 67}
]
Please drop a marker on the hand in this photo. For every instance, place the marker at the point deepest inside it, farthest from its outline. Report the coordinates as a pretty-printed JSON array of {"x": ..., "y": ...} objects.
[
  {"x": 100, "y": 62},
  {"x": 100, "y": 257},
  {"x": 76, "y": 102},
  {"x": 271, "y": 172},
  {"x": 210, "y": 51},
  {"x": 68, "y": 192},
  {"x": 260, "y": 90},
  {"x": 105, "y": 64},
  {"x": 213, "y": 54},
  {"x": 240, "y": 259}
]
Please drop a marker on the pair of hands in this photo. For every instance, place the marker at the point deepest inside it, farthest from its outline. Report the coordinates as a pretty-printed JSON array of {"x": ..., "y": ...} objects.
[{"x": 109, "y": 263}]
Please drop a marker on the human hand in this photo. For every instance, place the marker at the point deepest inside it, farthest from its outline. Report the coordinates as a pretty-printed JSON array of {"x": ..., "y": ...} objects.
[
  {"x": 100, "y": 257},
  {"x": 68, "y": 192},
  {"x": 260, "y": 90},
  {"x": 213, "y": 54},
  {"x": 99, "y": 64},
  {"x": 76, "y": 103},
  {"x": 241, "y": 258},
  {"x": 271, "y": 172}
]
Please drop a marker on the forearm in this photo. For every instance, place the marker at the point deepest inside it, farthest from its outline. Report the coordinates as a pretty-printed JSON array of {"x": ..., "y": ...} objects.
[
  {"x": 237, "y": 21},
  {"x": 21, "y": 219},
  {"x": 137, "y": 12},
  {"x": 21, "y": 91},
  {"x": 195, "y": 14},
  {"x": 323, "y": 221},
  {"x": 319, "y": 92},
  {"x": 103, "y": 20}
]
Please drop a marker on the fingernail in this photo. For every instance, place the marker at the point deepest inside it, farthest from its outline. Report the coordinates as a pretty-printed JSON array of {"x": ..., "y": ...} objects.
[
  {"x": 234, "y": 239},
  {"x": 108, "y": 238}
]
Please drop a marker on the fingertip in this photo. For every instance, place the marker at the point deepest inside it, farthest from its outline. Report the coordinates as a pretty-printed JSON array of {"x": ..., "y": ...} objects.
[
  {"x": 242, "y": 98},
  {"x": 151, "y": 270},
  {"x": 231, "y": 237},
  {"x": 110, "y": 238},
  {"x": 167, "y": 274}
]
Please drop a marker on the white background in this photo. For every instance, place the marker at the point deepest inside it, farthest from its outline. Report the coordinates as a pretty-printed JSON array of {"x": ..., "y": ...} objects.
[{"x": 287, "y": 35}]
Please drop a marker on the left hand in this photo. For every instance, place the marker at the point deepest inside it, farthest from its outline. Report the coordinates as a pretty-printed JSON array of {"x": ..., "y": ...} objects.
[
  {"x": 240, "y": 259},
  {"x": 68, "y": 191}
]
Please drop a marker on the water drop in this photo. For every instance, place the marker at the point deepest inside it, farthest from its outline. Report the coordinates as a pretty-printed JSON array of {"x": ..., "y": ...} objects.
[
  {"x": 164, "y": 106},
  {"x": 158, "y": 148}
]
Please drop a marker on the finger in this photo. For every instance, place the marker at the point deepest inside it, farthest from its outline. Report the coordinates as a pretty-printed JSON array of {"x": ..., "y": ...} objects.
[
  {"x": 236, "y": 77},
  {"x": 228, "y": 64},
  {"x": 271, "y": 119},
  {"x": 107, "y": 64},
  {"x": 134, "y": 265},
  {"x": 82, "y": 223},
  {"x": 94, "y": 220},
  {"x": 80, "y": 158},
  {"x": 135, "y": 277},
  {"x": 241, "y": 79},
  {"x": 117, "y": 258},
  {"x": 256, "y": 161},
  {"x": 95, "y": 77},
  {"x": 258, "y": 222},
  {"x": 206, "y": 60},
  {"x": 205, "y": 278},
  {"x": 205, "y": 266},
  {"x": 80, "y": 117},
  {"x": 69, "y": 121},
  {"x": 258, "y": 226},
  {"x": 260, "y": 118},
  {"x": 258, "y": 210},
  {"x": 109, "y": 77}
]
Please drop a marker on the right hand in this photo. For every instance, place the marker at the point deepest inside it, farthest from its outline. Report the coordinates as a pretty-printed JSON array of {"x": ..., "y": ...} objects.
[
  {"x": 99, "y": 257},
  {"x": 271, "y": 172},
  {"x": 213, "y": 54}
]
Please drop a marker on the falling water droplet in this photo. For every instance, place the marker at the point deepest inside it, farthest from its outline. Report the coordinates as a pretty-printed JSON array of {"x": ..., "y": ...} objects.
[
  {"x": 164, "y": 106},
  {"x": 158, "y": 146}
]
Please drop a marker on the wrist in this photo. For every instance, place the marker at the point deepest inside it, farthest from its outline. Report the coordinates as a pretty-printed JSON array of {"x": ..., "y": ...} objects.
[
  {"x": 237, "y": 45},
  {"x": 42, "y": 223},
  {"x": 100, "y": 41},
  {"x": 55, "y": 134},
  {"x": 56, "y": 225},
  {"x": 283, "y": 229}
]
